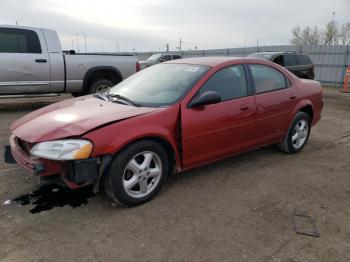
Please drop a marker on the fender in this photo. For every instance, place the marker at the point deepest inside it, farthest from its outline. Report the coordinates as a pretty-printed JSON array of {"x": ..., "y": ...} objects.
[
  {"x": 302, "y": 103},
  {"x": 96, "y": 69},
  {"x": 115, "y": 143}
]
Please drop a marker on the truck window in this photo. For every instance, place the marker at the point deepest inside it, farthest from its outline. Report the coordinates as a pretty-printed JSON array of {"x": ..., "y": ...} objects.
[
  {"x": 303, "y": 60},
  {"x": 176, "y": 57},
  {"x": 19, "y": 41},
  {"x": 279, "y": 60},
  {"x": 289, "y": 60}
]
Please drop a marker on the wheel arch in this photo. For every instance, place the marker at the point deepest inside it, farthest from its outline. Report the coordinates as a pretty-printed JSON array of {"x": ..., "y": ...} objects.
[
  {"x": 108, "y": 72},
  {"x": 305, "y": 106}
]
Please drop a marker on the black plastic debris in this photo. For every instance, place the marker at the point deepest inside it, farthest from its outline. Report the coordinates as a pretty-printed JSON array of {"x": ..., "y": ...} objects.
[
  {"x": 47, "y": 197},
  {"x": 304, "y": 225},
  {"x": 8, "y": 156}
]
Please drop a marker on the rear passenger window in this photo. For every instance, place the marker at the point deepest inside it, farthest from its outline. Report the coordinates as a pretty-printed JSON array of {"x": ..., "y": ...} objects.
[
  {"x": 229, "y": 83},
  {"x": 176, "y": 57},
  {"x": 303, "y": 60},
  {"x": 267, "y": 79},
  {"x": 289, "y": 60},
  {"x": 19, "y": 41}
]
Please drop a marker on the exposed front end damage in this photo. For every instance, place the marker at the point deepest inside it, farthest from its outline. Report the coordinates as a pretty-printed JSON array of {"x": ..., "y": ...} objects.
[{"x": 74, "y": 173}]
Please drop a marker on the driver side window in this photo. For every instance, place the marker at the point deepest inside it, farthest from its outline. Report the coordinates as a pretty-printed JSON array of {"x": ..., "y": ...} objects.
[
  {"x": 166, "y": 58},
  {"x": 229, "y": 83}
]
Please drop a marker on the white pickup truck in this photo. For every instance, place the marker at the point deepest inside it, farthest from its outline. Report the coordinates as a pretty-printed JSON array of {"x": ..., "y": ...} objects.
[{"x": 32, "y": 62}]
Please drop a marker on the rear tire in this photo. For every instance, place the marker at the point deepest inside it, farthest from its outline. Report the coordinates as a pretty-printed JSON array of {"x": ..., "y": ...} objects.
[
  {"x": 137, "y": 173},
  {"x": 297, "y": 135},
  {"x": 100, "y": 86}
]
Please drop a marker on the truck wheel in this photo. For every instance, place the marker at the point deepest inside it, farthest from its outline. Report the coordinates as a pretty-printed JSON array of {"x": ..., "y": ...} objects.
[
  {"x": 297, "y": 134},
  {"x": 137, "y": 173},
  {"x": 100, "y": 86}
]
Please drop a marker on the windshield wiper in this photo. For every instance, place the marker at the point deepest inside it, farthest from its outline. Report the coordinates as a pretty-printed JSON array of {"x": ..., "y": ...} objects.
[{"x": 124, "y": 98}]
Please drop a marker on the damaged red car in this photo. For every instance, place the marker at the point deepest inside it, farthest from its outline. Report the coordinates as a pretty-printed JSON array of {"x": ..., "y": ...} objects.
[{"x": 165, "y": 119}]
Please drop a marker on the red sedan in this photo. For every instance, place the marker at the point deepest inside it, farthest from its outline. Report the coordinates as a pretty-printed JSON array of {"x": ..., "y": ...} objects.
[{"x": 167, "y": 118}]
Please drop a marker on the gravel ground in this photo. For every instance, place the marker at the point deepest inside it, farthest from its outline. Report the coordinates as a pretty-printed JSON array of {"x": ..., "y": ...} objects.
[{"x": 238, "y": 209}]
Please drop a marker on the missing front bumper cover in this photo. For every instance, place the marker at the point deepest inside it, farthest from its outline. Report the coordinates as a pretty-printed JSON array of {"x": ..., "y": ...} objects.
[{"x": 81, "y": 171}]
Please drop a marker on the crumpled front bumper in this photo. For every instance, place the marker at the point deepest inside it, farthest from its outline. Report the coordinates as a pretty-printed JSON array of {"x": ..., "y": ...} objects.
[
  {"x": 74, "y": 174},
  {"x": 33, "y": 165}
]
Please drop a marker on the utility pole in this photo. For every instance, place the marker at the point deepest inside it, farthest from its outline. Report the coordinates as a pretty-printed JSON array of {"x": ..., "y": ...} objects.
[
  {"x": 85, "y": 42},
  {"x": 257, "y": 45},
  {"x": 78, "y": 42},
  {"x": 333, "y": 28},
  {"x": 116, "y": 47},
  {"x": 72, "y": 44},
  {"x": 16, "y": 22},
  {"x": 180, "y": 46}
]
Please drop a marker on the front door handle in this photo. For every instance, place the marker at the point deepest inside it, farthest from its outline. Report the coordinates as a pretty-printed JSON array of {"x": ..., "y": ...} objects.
[
  {"x": 292, "y": 97},
  {"x": 40, "y": 60}
]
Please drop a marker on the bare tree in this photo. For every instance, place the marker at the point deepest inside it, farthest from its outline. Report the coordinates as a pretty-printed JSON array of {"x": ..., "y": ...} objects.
[
  {"x": 307, "y": 36},
  {"x": 331, "y": 33},
  {"x": 296, "y": 32},
  {"x": 311, "y": 36},
  {"x": 344, "y": 34}
]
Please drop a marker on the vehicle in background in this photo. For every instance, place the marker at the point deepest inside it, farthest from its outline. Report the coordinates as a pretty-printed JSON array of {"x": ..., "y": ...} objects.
[
  {"x": 32, "y": 62},
  {"x": 298, "y": 63},
  {"x": 147, "y": 127},
  {"x": 158, "y": 58}
]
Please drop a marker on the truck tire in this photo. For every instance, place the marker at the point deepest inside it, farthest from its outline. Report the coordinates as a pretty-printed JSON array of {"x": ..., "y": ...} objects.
[
  {"x": 100, "y": 86},
  {"x": 137, "y": 173}
]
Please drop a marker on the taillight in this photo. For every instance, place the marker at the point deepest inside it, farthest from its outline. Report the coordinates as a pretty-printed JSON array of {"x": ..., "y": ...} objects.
[{"x": 138, "y": 66}]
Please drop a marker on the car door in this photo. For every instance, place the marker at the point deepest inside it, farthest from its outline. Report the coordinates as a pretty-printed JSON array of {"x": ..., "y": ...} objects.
[
  {"x": 305, "y": 67},
  {"x": 24, "y": 62},
  {"x": 290, "y": 63},
  {"x": 275, "y": 98},
  {"x": 165, "y": 58},
  {"x": 214, "y": 131}
]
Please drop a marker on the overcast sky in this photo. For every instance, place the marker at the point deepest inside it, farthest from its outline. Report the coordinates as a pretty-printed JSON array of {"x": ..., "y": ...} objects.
[{"x": 149, "y": 24}]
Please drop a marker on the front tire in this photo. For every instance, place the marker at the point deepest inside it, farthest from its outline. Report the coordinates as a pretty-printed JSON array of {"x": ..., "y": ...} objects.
[
  {"x": 297, "y": 135},
  {"x": 137, "y": 173}
]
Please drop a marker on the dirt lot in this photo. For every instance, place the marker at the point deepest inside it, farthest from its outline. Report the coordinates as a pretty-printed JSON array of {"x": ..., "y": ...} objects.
[{"x": 235, "y": 210}]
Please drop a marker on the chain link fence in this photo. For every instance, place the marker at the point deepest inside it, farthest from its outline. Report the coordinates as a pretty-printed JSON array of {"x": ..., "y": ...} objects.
[{"x": 330, "y": 61}]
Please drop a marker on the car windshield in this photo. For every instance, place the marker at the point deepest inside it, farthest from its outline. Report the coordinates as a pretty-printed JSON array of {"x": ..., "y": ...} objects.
[
  {"x": 159, "y": 85},
  {"x": 154, "y": 57}
]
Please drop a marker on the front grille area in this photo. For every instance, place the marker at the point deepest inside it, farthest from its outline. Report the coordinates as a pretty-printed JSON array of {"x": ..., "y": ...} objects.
[{"x": 25, "y": 146}]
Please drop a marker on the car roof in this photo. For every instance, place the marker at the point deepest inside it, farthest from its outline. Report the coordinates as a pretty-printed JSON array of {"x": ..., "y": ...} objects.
[{"x": 206, "y": 61}]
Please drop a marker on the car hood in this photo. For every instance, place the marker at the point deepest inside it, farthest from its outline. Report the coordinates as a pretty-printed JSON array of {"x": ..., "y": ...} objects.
[{"x": 72, "y": 117}]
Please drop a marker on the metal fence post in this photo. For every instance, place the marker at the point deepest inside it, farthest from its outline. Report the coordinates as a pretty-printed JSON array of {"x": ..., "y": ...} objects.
[{"x": 346, "y": 58}]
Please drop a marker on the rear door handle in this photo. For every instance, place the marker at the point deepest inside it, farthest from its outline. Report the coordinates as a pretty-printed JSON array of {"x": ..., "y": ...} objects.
[
  {"x": 40, "y": 60},
  {"x": 244, "y": 107},
  {"x": 292, "y": 97}
]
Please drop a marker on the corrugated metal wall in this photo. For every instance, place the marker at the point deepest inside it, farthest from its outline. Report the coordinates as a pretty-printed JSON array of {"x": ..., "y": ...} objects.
[{"x": 330, "y": 61}]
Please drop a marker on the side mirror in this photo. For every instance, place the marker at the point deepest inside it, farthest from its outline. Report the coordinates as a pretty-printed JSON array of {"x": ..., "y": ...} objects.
[
  {"x": 207, "y": 98},
  {"x": 162, "y": 60}
]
